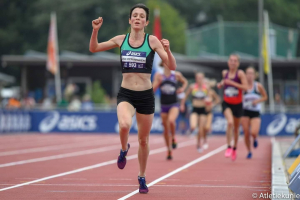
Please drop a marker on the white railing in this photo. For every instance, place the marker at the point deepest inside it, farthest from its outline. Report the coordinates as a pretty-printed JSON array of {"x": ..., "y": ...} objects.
[{"x": 294, "y": 109}]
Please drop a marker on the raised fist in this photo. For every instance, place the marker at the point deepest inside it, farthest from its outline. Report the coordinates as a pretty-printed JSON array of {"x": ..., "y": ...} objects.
[
  {"x": 166, "y": 44},
  {"x": 97, "y": 23}
]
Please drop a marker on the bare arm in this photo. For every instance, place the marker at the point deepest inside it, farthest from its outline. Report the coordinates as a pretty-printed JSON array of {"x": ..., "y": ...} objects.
[
  {"x": 156, "y": 81},
  {"x": 216, "y": 98},
  {"x": 162, "y": 48},
  {"x": 183, "y": 80},
  {"x": 264, "y": 96},
  {"x": 243, "y": 85},
  {"x": 103, "y": 46},
  {"x": 221, "y": 83},
  {"x": 187, "y": 93}
]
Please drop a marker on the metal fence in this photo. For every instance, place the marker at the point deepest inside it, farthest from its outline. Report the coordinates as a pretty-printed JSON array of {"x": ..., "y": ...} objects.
[{"x": 224, "y": 38}]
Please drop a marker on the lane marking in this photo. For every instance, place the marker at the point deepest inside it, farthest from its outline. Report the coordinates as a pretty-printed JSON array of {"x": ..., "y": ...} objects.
[
  {"x": 72, "y": 154},
  {"x": 56, "y": 147},
  {"x": 152, "y": 152},
  {"x": 43, "y": 142},
  {"x": 122, "y": 185},
  {"x": 208, "y": 155}
]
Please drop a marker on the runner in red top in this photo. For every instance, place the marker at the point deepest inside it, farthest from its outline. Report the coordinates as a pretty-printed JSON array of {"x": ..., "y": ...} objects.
[{"x": 234, "y": 82}]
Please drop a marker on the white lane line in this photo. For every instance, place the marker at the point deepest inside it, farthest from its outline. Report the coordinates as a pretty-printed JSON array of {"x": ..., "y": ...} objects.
[
  {"x": 123, "y": 185},
  {"x": 208, "y": 155},
  {"x": 152, "y": 152},
  {"x": 72, "y": 154},
  {"x": 56, "y": 147},
  {"x": 11, "y": 145}
]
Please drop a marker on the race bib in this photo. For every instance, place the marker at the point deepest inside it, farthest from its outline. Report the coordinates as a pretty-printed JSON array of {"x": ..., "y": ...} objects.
[
  {"x": 199, "y": 94},
  {"x": 248, "y": 104},
  {"x": 168, "y": 89},
  {"x": 134, "y": 59},
  {"x": 231, "y": 92}
]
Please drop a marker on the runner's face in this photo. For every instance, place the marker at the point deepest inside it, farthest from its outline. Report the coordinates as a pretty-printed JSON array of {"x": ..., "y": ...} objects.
[
  {"x": 250, "y": 74},
  {"x": 233, "y": 62},
  {"x": 199, "y": 78},
  {"x": 138, "y": 19}
]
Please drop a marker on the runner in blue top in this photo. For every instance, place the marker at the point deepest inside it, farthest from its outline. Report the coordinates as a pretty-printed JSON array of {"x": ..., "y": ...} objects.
[
  {"x": 169, "y": 89},
  {"x": 136, "y": 93}
]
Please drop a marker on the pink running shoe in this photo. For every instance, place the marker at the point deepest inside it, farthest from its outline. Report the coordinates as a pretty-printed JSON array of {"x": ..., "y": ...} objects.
[
  {"x": 233, "y": 155},
  {"x": 228, "y": 152}
]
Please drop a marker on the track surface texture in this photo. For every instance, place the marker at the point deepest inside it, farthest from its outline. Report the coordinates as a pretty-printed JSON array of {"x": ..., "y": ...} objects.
[{"x": 83, "y": 166}]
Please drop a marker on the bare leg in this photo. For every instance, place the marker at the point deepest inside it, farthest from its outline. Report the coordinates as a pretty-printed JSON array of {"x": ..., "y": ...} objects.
[
  {"x": 236, "y": 122},
  {"x": 245, "y": 121},
  {"x": 193, "y": 121},
  {"x": 164, "y": 118},
  {"x": 255, "y": 126},
  {"x": 173, "y": 114},
  {"x": 125, "y": 112},
  {"x": 144, "y": 123},
  {"x": 202, "y": 121},
  {"x": 209, "y": 118},
  {"x": 229, "y": 117}
]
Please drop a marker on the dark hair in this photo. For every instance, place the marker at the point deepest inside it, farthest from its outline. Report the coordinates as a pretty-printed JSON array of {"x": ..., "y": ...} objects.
[{"x": 142, "y": 6}]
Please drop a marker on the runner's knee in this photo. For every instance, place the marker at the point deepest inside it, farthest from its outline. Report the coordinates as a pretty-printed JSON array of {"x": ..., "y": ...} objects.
[
  {"x": 143, "y": 142},
  {"x": 124, "y": 126}
]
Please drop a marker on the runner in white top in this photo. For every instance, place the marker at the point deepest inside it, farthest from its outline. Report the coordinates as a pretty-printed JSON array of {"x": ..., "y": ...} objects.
[{"x": 252, "y": 106}]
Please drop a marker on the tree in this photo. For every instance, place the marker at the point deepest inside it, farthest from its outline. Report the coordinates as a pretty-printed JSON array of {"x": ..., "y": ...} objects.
[
  {"x": 172, "y": 24},
  {"x": 98, "y": 93}
]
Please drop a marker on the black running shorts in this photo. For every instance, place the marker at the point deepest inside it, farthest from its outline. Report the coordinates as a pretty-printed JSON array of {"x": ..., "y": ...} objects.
[
  {"x": 199, "y": 110},
  {"x": 251, "y": 114},
  {"x": 237, "y": 109},
  {"x": 142, "y": 101}
]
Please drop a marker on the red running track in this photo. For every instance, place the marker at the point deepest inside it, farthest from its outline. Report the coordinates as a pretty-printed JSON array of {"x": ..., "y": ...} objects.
[{"x": 38, "y": 167}]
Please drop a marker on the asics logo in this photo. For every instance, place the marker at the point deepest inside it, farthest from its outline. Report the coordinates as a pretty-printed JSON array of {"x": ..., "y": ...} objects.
[{"x": 132, "y": 53}]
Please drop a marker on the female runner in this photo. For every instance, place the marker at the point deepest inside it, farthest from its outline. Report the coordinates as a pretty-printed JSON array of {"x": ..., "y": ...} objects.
[
  {"x": 199, "y": 93},
  {"x": 136, "y": 94},
  {"x": 234, "y": 82},
  {"x": 168, "y": 84},
  {"x": 253, "y": 97},
  {"x": 211, "y": 101}
]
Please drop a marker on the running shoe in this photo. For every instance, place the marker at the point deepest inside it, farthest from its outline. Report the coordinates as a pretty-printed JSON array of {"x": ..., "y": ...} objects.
[
  {"x": 205, "y": 146},
  {"x": 255, "y": 143},
  {"x": 143, "y": 186},
  {"x": 174, "y": 144},
  {"x": 169, "y": 157},
  {"x": 233, "y": 155},
  {"x": 228, "y": 152},
  {"x": 199, "y": 149},
  {"x": 122, "y": 157},
  {"x": 249, "y": 156}
]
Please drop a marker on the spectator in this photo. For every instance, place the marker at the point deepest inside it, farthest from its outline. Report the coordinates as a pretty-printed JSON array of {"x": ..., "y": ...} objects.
[
  {"x": 75, "y": 104},
  {"x": 279, "y": 105},
  {"x": 47, "y": 104},
  {"x": 70, "y": 90},
  {"x": 28, "y": 102},
  {"x": 87, "y": 104},
  {"x": 13, "y": 103}
]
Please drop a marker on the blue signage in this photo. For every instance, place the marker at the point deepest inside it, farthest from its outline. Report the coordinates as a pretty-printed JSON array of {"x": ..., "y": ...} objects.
[{"x": 107, "y": 122}]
